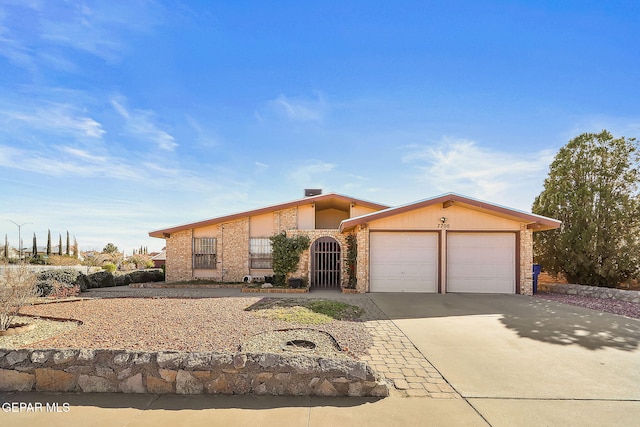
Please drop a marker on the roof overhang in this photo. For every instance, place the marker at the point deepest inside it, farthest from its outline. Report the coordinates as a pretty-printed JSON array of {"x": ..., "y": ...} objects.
[
  {"x": 322, "y": 201},
  {"x": 533, "y": 222}
]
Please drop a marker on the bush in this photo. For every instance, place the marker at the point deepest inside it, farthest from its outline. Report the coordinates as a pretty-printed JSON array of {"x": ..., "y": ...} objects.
[
  {"x": 101, "y": 279},
  {"x": 109, "y": 267},
  {"x": 47, "y": 281},
  {"x": 17, "y": 287}
]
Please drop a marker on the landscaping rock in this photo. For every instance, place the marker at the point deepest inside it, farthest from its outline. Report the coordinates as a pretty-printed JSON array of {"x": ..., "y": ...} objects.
[
  {"x": 40, "y": 356},
  {"x": 93, "y": 384},
  {"x": 16, "y": 381},
  {"x": 187, "y": 383},
  {"x": 158, "y": 386},
  {"x": 133, "y": 385},
  {"x": 16, "y": 357},
  {"x": 54, "y": 380}
]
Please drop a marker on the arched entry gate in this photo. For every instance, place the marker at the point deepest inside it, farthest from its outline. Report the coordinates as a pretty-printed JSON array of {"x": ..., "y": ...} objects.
[{"x": 325, "y": 263}]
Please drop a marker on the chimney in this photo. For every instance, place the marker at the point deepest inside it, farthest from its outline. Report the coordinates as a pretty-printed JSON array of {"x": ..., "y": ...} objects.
[{"x": 309, "y": 192}]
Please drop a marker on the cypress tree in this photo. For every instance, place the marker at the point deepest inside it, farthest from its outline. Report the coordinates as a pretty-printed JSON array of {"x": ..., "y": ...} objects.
[
  {"x": 48, "y": 242},
  {"x": 6, "y": 247},
  {"x": 35, "y": 246},
  {"x": 60, "y": 244},
  {"x": 67, "y": 251},
  {"x": 75, "y": 247}
]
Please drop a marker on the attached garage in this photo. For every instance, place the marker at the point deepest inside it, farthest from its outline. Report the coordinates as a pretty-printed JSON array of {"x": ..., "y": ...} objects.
[
  {"x": 481, "y": 262},
  {"x": 449, "y": 243},
  {"x": 404, "y": 261}
]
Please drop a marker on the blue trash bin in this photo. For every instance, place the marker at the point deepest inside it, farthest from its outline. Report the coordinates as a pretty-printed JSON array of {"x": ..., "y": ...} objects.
[{"x": 537, "y": 268}]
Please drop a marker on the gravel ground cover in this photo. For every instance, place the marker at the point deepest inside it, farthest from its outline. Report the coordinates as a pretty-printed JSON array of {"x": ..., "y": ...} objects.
[
  {"x": 154, "y": 324},
  {"x": 622, "y": 308},
  {"x": 44, "y": 329}
]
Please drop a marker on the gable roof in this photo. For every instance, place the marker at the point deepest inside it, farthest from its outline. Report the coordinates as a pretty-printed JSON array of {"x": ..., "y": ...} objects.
[
  {"x": 533, "y": 221},
  {"x": 324, "y": 200}
]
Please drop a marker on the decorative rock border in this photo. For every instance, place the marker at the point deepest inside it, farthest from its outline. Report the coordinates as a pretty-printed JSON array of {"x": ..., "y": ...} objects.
[
  {"x": 86, "y": 370},
  {"x": 276, "y": 290},
  {"x": 155, "y": 285},
  {"x": 594, "y": 292}
]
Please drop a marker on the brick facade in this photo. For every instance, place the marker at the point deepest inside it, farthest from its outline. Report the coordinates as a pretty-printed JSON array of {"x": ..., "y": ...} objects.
[
  {"x": 233, "y": 243},
  {"x": 234, "y": 254},
  {"x": 304, "y": 268},
  {"x": 179, "y": 256},
  {"x": 526, "y": 261}
]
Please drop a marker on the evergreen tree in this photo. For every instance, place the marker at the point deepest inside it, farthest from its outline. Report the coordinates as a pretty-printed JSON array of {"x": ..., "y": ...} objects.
[
  {"x": 6, "y": 247},
  {"x": 48, "y": 242},
  {"x": 34, "y": 251},
  {"x": 60, "y": 244},
  {"x": 75, "y": 248},
  {"x": 68, "y": 244},
  {"x": 593, "y": 188}
]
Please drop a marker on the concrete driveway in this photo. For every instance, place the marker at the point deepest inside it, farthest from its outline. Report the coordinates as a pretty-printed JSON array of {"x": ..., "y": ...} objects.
[{"x": 525, "y": 361}]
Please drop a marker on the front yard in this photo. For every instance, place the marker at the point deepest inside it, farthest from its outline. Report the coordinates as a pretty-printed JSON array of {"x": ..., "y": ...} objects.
[{"x": 190, "y": 325}]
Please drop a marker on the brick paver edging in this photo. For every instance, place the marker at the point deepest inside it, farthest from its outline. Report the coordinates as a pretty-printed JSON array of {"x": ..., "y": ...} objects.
[{"x": 394, "y": 357}]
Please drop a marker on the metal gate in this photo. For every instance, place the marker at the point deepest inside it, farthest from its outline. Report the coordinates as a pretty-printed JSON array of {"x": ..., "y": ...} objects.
[{"x": 325, "y": 269}]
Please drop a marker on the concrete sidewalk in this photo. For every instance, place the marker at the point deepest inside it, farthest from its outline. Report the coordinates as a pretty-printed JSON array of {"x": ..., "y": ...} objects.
[{"x": 153, "y": 410}]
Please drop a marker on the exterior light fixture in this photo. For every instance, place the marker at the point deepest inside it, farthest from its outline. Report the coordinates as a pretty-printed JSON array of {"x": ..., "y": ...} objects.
[{"x": 443, "y": 219}]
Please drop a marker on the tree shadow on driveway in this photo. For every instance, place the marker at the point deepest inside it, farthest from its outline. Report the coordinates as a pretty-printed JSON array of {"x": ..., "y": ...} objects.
[
  {"x": 564, "y": 324},
  {"x": 529, "y": 317}
]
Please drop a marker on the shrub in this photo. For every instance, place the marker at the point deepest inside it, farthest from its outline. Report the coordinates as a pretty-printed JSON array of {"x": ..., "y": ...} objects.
[
  {"x": 47, "y": 281},
  {"x": 17, "y": 287},
  {"x": 109, "y": 267},
  {"x": 101, "y": 279},
  {"x": 286, "y": 252}
]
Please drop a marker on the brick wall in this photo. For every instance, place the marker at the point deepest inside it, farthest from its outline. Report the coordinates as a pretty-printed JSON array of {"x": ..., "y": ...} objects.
[
  {"x": 234, "y": 253},
  {"x": 179, "y": 253},
  {"x": 304, "y": 267},
  {"x": 362, "y": 266},
  {"x": 526, "y": 261},
  {"x": 286, "y": 219}
]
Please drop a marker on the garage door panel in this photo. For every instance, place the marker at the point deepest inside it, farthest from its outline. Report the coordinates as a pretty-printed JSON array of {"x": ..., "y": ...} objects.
[
  {"x": 481, "y": 262},
  {"x": 403, "y": 262}
]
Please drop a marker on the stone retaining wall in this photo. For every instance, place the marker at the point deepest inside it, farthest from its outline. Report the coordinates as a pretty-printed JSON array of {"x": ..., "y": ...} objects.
[
  {"x": 75, "y": 370},
  {"x": 593, "y": 292}
]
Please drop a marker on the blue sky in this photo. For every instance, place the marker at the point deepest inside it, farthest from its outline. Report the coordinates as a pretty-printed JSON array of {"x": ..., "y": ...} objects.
[{"x": 118, "y": 118}]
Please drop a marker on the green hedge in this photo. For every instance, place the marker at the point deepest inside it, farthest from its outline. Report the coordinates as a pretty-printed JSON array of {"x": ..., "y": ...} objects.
[{"x": 69, "y": 278}]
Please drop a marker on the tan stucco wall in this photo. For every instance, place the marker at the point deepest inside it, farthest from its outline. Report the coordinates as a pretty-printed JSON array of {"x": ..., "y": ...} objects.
[
  {"x": 261, "y": 225},
  {"x": 458, "y": 219},
  {"x": 327, "y": 219}
]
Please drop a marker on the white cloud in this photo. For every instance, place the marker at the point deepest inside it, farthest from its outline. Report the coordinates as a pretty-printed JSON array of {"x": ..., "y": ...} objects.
[
  {"x": 140, "y": 123},
  {"x": 312, "y": 174},
  {"x": 299, "y": 109},
  {"x": 204, "y": 137},
  {"x": 462, "y": 166},
  {"x": 58, "y": 118}
]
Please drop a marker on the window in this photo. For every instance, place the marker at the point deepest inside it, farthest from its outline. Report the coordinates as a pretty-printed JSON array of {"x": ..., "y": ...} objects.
[
  {"x": 260, "y": 252},
  {"x": 204, "y": 253}
]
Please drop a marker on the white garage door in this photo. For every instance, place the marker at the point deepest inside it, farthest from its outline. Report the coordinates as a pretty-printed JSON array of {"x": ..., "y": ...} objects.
[
  {"x": 481, "y": 262},
  {"x": 403, "y": 262}
]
